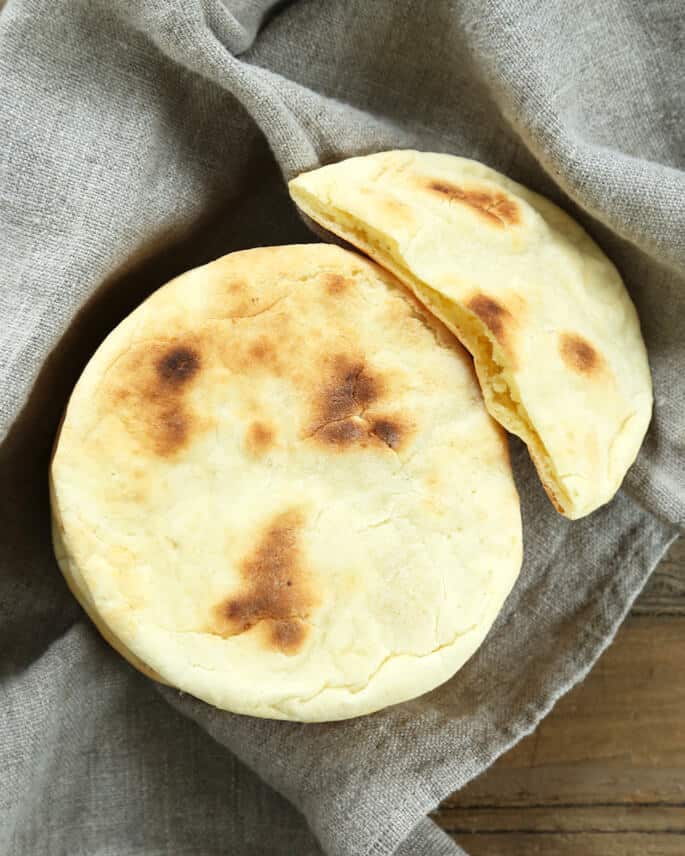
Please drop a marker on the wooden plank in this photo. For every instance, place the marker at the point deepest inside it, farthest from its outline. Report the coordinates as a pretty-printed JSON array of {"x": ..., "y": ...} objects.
[
  {"x": 574, "y": 819},
  {"x": 619, "y": 737},
  {"x": 582, "y": 784},
  {"x": 581, "y": 844}
]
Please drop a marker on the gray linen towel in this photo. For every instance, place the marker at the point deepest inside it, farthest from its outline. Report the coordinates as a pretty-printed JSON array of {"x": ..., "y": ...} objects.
[{"x": 141, "y": 137}]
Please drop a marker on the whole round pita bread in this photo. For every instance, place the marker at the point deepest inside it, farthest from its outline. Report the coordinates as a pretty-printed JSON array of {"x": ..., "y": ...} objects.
[
  {"x": 554, "y": 335},
  {"x": 276, "y": 487}
]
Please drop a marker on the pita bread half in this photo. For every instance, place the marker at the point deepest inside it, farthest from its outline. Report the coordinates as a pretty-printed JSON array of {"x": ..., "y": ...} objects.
[
  {"x": 276, "y": 487},
  {"x": 554, "y": 335}
]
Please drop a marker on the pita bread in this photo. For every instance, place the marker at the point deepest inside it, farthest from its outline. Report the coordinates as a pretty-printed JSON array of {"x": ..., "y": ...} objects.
[
  {"x": 554, "y": 335},
  {"x": 277, "y": 488}
]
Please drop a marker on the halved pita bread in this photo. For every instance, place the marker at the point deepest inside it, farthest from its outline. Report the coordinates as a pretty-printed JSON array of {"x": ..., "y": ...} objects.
[
  {"x": 554, "y": 335},
  {"x": 276, "y": 487}
]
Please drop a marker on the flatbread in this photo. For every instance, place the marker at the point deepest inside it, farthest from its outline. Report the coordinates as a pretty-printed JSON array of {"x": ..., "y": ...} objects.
[
  {"x": 277, "y": 488},
  {"x": 554, "y": 335}
]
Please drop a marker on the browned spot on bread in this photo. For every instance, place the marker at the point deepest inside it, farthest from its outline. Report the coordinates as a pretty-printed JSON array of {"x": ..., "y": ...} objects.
[
  {"x": 346, "y": 393},
  {"x": 578, "y": 354},
  {"x": 263, "y": 354},
  {"x": 394, "y": 212},
  {"x": 245, "y": 307},
  {"x": 169, "y": 416},
  {"x": 254, "y": 353},
  {"x": 336, "y": 284},
  {"x": 388, "y": 431},
  {"x": 342, "y": 432},
  {"x": 341, "y": 408},
  {"x": 496, "y": 317},
  {"x": 355, "y": 384},
  {"x": 288, "y": 636},
  {"x": 349, "y": 388},
  {"x": 178, "y": 365},
  {"x": 493, "y": 205},
  {"x": 262, "y": 350},
  {"x": 259, "y": 438},
  {"x": 149, "y": 393},
  {"x": 172, "y": 426},
  {"x": 276, "y": 588},
  {"x": 397, "y": 213}
]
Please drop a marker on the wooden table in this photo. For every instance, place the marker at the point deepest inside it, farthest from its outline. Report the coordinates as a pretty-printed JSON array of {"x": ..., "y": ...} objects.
[{"x": 604, "y": 773}]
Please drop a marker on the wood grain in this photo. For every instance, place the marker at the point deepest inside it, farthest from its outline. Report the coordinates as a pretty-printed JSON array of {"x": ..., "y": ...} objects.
[
  {"x": 584, "y": 844},
  {"x": 605, "y": 772}
]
